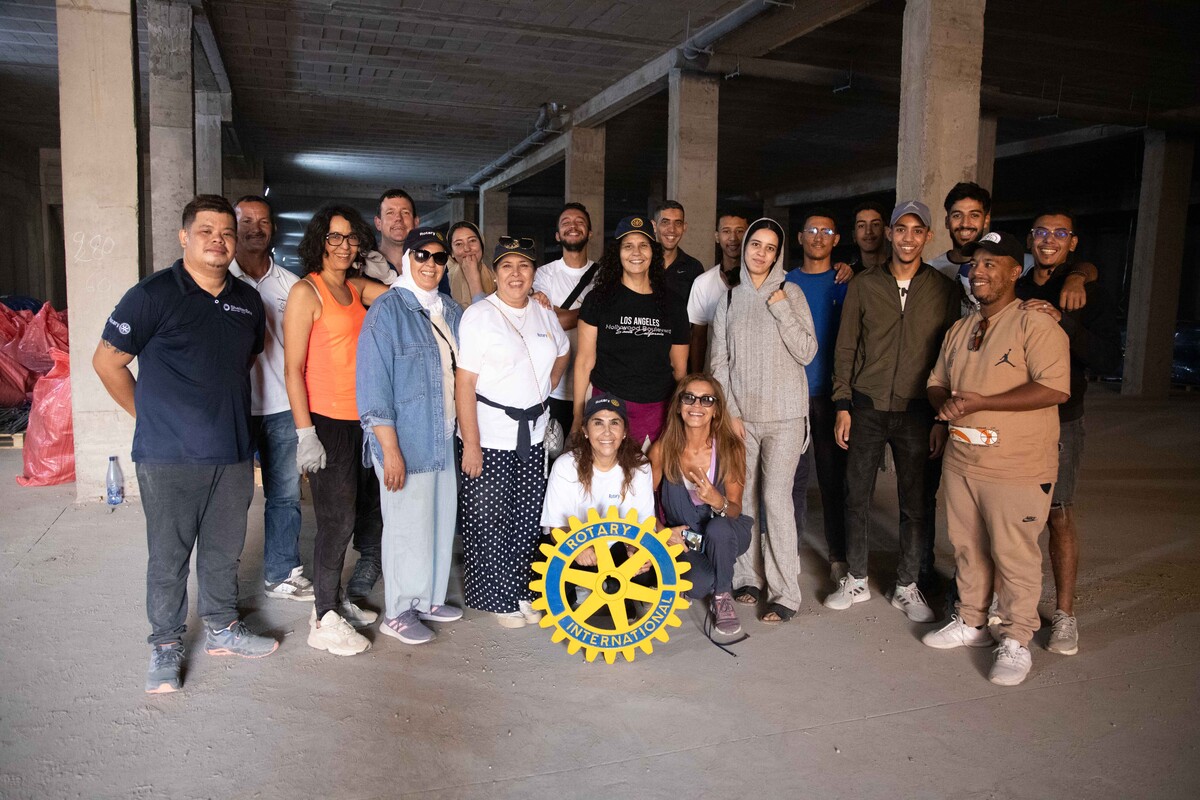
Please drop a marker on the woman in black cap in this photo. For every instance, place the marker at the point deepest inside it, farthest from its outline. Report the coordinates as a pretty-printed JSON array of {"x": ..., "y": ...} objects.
[
  {"x": 632, "y": 341},
  {"x": 470, "y": 280},
  {"x": 512, "y": 352}
]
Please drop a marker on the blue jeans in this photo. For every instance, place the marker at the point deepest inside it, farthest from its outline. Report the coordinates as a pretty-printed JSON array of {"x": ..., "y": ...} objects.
[{"x": 275, "y": 438}]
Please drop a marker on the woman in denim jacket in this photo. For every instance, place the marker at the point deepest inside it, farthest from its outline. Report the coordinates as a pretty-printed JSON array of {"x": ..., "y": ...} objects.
[{"x": 407, "y": 357}]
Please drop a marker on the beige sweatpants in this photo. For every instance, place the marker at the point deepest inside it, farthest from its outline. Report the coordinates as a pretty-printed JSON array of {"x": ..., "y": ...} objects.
[{"x": 994, "y": 528}]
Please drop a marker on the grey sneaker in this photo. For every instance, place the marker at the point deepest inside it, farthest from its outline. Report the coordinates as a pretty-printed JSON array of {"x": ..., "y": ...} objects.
[
  {"x": 356, "y": 616},
  {"x": 366, "y": 572},
  {"x": 910, "y": 600},
  {"x": 850, "y": 590},
  {"x": 237, "y": 640},
  {"x": 441, "y": 614},
  {"x": 1064, "y": 634},
  {"x": 166, "y": 664},
  {"x": 725, "y": 618},
  {"x": 407, "y": 628},
  {"x": 294, "y": 587}
]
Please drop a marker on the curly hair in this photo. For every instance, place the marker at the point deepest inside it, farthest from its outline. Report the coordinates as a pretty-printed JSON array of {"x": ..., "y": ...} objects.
[
  {"x": 629, "y": 458},
  {"x": 731, "y": 452},
  {"x": 608, "y": 276},
  {"x": 312, "y": 246}
]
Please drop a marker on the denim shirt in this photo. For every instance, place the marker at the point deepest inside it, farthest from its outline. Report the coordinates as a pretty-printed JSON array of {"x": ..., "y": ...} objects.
[{"x": 399, "y": 379}]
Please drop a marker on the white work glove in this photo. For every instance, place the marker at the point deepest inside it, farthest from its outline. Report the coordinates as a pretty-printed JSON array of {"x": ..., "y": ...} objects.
[{"x": 310, "y": 455}]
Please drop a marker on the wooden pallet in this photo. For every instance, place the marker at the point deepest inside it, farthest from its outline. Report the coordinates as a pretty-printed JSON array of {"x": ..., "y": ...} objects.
[{"x": 12, "y": 441}]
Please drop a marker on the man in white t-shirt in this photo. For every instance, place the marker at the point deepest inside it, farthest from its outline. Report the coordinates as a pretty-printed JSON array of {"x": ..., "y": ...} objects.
[
  {"x": 271, "y": 422},
  {"x": 558, "y": 282},
  {"x": 709, "y": 288}
]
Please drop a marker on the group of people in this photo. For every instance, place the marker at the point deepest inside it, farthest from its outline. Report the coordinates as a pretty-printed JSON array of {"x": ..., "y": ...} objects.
[{"x": 422, "y": 388}]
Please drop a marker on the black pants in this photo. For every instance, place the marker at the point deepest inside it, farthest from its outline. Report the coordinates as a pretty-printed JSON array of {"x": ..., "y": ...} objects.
[
  {"x": 193, "y": 506},
  {"x": 345, "y": 501},
  {"x": 712, "y": 569},
  {"x": 831, "y": 476},
  {"x": 907, "y": 433}
]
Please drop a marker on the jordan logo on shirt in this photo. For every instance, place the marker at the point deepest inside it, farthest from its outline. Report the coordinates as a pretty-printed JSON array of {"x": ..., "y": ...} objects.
[{"x": 1004, "y": 360}]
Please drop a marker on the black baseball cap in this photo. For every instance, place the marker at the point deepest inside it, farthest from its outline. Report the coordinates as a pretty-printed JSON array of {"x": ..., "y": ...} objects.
[
  {"x": 420, "y": 236},
  {"x": 604, "y": 402},
  {"x": 998, "y": 244}
]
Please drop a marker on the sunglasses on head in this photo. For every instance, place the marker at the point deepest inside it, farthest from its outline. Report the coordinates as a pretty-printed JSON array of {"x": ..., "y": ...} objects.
[
  {"x": 421, "y": 256},
  {"x": 706, "y": 400},
  {"x": 517, "y": 241}
]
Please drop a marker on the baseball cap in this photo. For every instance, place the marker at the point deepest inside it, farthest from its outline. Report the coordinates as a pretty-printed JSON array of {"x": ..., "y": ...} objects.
[
  {"x": 998, "y": 244},
  {"x": 915, "y": 207},
  {"x": 512, "y": 244},
  {"x": 419, "y": 236},
  {"x": 634, "y": 224},
  {"x": 604, "y": 402}
]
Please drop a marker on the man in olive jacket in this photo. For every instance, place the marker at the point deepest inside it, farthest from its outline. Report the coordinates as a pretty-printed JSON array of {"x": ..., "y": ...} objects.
[{"x": 893, "y": 323}]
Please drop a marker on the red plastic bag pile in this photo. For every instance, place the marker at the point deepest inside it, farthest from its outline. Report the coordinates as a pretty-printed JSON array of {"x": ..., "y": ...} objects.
[
  {"x": 25, "y": 343},
  {"x": 50, "y": 439}
]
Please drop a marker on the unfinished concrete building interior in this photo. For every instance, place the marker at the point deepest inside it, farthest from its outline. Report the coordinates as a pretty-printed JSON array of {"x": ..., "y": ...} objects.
[{"x": 499, "y": 112}]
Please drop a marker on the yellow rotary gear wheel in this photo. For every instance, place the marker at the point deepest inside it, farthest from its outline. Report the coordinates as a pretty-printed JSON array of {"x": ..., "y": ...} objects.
[{"x": 610, "y": 585}]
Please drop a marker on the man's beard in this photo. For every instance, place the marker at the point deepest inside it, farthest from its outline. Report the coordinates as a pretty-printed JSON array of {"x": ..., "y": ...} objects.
[{"x": 574, "y": 247}]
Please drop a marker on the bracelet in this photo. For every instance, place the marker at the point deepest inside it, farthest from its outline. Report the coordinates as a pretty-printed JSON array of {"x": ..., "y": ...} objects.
[{"x": 720, "y": 512}]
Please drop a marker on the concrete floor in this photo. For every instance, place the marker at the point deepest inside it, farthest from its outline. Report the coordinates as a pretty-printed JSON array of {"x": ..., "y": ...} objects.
[{"x": 831, "y": 705}]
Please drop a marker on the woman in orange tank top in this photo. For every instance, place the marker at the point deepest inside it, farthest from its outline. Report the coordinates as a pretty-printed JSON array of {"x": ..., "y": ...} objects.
[{"x": 323, "y": 317}]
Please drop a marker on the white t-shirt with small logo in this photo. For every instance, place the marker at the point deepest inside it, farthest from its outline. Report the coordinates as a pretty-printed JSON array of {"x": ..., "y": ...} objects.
[
  {"x": 268, "y": 393},
  {"x": 566, "y": 498},
  {"x": 558, "y": 280}
]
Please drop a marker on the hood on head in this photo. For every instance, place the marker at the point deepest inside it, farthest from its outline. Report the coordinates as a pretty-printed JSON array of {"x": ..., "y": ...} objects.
[{"x": 757, "y": 225}]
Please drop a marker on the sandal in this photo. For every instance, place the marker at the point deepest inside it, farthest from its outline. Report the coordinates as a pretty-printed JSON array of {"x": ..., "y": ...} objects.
[
  {"x": 747, "y": 595},
  {"x": 781, "y": 613}
]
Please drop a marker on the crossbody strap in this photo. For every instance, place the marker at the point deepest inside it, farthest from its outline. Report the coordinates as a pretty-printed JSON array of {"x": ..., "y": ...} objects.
[
  {"x": 579, "y": 287},
  {"x": 528, "y": 355}
]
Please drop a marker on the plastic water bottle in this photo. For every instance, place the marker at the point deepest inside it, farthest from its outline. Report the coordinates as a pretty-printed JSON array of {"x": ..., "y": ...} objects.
[{"x": 115, "y": 482}]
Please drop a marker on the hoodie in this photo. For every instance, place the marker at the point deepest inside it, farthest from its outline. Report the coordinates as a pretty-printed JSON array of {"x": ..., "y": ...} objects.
[{"x": 759, "y": 350}]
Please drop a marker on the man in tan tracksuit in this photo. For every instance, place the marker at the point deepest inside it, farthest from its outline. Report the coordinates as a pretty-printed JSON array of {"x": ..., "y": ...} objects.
[{"x": 999, "y": 378}]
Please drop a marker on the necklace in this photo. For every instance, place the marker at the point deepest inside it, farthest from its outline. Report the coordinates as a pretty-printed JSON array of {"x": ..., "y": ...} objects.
[{"x": 518, "y": 315}]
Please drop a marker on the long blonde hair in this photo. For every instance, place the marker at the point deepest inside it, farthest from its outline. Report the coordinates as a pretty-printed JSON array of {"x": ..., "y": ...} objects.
[{"x": 731, "y": 452}]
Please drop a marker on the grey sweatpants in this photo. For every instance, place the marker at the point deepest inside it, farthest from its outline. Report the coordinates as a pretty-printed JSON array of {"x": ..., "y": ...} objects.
[{"x": 773, "y": 449}]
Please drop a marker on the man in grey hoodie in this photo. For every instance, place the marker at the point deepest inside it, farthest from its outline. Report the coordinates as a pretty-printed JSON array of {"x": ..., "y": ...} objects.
[{"x": 762, "y": 338}]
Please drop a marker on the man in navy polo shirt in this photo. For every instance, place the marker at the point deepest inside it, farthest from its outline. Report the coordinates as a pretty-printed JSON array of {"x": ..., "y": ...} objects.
[{"x": 195, "y": 331}]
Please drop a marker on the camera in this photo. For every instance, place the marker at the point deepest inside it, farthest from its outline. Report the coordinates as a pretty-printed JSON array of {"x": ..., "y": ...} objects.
[{"x": 693, "y": 539}]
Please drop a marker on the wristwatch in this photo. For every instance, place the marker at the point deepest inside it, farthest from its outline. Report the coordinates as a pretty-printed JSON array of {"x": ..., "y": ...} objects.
[{"x": 720, "y": 512}]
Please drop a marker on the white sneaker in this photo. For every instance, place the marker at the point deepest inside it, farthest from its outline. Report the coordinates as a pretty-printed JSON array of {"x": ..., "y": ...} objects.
[
  {"x": 850, "y": 590},
  {"x": 1064, "y": 634},
  {"x": 1012, "y": 663},
  {"x": 531, "y": 616},
  {"x": 294, "y": 587},
  {"x": 510, "y": 619},
  {"x": 356, "y": 616},
  {"x": 335, "y": 635},
  {"x": 910, "y": 600},
  {"x": 956, "y": 633}
]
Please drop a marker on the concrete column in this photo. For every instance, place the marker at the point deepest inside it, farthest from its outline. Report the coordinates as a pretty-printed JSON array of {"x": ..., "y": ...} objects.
[
  {"x": 209, "y": 163},
  {"x": 97, "y": 56},
  {"x": 585, "y": 179},
  {"x": 1157, "y": 263},
  {"x": 985, "y": 162},
  {"x": 241, "y": 176},
  {"x": 783, "y": 215},
  {"x": 940, "y": 65},
  {"x": 692, "y": 155},
  {"x": 493, "y": 216},
  {"x": 172, "y": 157},
  {"x": 465, "y": 207}
]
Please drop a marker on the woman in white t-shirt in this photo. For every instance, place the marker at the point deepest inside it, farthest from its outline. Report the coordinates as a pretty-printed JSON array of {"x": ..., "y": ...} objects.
[{"x": 511, "y": 352}]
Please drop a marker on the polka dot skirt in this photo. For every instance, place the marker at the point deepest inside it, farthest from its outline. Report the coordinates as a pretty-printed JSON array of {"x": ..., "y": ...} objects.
[{"x": 499, "y": 514}]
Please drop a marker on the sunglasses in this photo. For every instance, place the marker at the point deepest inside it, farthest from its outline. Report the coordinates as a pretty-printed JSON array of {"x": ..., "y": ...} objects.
[
  {"x": 706, "y": 400},
  {"x": 515, "y": 241},
  {"x": 977, "y": 335},
  {"x": 421, "y": 256}
]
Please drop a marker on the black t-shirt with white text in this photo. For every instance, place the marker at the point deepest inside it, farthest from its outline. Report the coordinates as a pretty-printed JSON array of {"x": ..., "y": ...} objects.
[{"x": 633, "y": 344}]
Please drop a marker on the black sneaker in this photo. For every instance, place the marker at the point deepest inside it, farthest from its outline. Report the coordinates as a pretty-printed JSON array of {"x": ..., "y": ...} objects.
[
  {"x": 366, "y": 573},
  {"x": 166, "y": 664}
]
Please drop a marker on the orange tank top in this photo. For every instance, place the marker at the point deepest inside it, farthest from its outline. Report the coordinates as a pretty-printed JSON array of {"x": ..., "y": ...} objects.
[{"x": 332, "y": 350}]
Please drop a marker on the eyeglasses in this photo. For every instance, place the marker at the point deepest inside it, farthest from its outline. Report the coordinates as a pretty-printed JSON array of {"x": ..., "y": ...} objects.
[
  {"x": 689, "y": 399},
  {"x": 815, "y": 231},
  {"x": 977, "y": 334},
  {"x": 421, "y": 256},
  {"x": 336, "y": 239},
  {"x": 1057, "y": 233},
  {"x": 514, "y": 241}
]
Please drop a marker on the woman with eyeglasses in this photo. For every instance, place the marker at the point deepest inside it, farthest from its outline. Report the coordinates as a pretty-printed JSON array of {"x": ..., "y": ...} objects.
[
  {"x": 321, "y": 323},
  {"x": 513, "y": 351},
  {"x": 699, "y": 468},
  {"x": 407, "y": 355},
  {"x": 470, "y": 280},
  {"x": 632, "y": 340}
]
